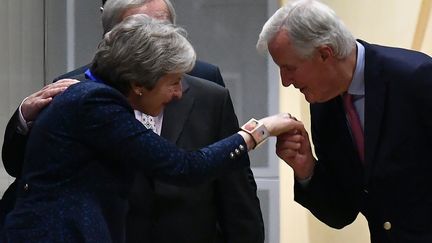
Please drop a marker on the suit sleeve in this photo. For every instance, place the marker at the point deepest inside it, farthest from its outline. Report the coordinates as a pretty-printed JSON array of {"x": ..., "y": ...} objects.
[
  {"x": 14, "y": 146},
  {"x": 207, "y": 71},
  {"x": 331, "y": 197},
  {"x": 421, "y": 93},
  {"x": 327, "y": 200},
  {"x": 110, "y": 128},
  {"x": 239, "y": 212},
  {"x": 74, "y": 74},
  {"x": 218, "y": 77}
]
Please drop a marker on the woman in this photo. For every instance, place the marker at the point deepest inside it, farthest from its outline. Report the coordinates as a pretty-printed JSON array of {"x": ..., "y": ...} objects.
[{"x": 85, "y": 146}]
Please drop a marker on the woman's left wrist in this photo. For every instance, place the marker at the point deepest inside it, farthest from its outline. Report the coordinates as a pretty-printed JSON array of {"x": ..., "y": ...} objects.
[{"x": 257, "y": 130}]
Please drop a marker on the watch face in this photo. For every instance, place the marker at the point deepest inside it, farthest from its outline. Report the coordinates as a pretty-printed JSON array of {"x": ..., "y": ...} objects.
[{"x": 250, "y": 125}]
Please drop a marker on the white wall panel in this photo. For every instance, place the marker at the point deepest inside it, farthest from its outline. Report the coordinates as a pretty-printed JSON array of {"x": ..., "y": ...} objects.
[{"x": 21, "y": 59}]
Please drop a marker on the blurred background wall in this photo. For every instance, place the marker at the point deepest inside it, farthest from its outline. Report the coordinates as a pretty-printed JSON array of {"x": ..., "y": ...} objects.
[{"x": 41, "y": 39}]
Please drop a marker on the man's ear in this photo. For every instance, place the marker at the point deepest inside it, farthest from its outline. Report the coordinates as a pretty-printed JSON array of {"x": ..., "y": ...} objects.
[{"x": 325, "y": 52}]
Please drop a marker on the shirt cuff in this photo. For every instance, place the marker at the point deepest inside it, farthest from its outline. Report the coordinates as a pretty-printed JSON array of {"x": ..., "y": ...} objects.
[
  {"x": 23, "y": 126},
  {"x": 305, "y": 182}
]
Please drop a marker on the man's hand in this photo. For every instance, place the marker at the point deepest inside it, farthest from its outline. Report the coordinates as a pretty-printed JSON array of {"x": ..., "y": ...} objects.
[
  {"x": 294, "y": 148},
  {"x": 34, "y": 103}
]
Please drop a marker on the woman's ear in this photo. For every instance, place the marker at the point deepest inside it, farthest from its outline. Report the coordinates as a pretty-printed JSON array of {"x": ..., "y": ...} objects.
[{"x": 136, "y": 89}]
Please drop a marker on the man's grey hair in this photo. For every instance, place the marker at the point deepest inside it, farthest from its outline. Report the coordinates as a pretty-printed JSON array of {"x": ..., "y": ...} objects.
[
  {"x": 113, "y": 11},
  {"x": 141, "y": 50},
  {"x": 309, "y": 24}
]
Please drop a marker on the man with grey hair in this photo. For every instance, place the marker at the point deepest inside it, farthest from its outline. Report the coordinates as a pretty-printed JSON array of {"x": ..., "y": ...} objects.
[
  {"x": 115, "y": 11},
  {"x": 224, "y": 210},
  {"x": 371, "y": 124}
]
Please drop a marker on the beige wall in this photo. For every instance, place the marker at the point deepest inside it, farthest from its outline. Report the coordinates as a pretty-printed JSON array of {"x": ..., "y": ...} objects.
[
  {"x": 427, "y": 40},
  {"x": 386, "y": 22}
]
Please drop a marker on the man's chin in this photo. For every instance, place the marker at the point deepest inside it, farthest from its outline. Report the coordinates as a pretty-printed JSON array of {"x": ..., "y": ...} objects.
[
  {"x": 309, "y": 98},
  {"x": 314, "y": 100}
]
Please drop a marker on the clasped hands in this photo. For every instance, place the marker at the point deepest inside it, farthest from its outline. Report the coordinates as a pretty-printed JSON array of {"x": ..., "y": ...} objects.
[{"x": 293, "y": 145}]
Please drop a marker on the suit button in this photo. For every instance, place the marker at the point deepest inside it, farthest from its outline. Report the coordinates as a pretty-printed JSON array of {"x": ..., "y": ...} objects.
[
  {"x": 237, "y": 151},
  {"x": 232, "y": 155},
  {"x": 387, "y": 225},
  {"x": 241, "y": 147},
  {"x": 26, "y": 187}
]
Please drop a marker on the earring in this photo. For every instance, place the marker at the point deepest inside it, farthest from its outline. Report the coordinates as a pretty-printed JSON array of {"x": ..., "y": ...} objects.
[{"x": 138, "y": 92}]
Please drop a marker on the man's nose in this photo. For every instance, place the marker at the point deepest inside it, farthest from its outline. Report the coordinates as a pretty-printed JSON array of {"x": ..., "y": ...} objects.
[{"x": 286, "y": 79}]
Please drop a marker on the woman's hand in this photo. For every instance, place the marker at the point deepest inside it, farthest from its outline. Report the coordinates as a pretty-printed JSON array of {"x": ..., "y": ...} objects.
[
  {"x": 275, "y": 125},
  {"x": 282, "y": 123}
]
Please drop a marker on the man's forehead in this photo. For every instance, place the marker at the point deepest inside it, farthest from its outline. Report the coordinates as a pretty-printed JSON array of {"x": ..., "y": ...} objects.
[
  {"x": 155, "y": 9},
  {"x": 280, "y": 37},
  {"x": 278, "y": 43}
]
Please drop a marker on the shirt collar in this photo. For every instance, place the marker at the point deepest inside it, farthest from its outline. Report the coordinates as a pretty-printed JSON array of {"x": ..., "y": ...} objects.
[
  {"x": 357, "y": 86},
  {"x": 89, "y": 75}
]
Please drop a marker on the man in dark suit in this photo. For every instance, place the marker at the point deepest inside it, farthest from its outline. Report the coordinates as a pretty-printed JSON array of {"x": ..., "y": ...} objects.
[
  {"x": 190, "y": 214},
  {"x": 224, "y": 210},
  {"x": 371, "y": 124}
]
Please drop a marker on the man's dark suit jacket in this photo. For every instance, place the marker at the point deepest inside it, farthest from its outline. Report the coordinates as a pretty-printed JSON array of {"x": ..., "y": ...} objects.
[
  {"x": 81, "y": 155},
  {"x": 174, "y": 214},
  {"x": 224, "y": 210},
  {"x": 394, "y": 186},
  {"x": 201, "y": 69}
]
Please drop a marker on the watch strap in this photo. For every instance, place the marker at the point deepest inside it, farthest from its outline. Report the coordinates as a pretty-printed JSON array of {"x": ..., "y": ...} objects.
[{"x": 257, "y": 130}]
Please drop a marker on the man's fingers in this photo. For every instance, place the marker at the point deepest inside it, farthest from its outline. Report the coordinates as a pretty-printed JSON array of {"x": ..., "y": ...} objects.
[
  {"x": 53, "y": 89},
  {"x": 31, "y": 107},
  {"x": 61, "y": 83},
  {"x": 291, "y": 136},
  {"x": 287, "y": 153},
  {"x": 295, "y": 126},
  {"x": 65, "y": 82},
  {"x": 49, "y": 93},
  {"x": 287, "y": 144},
  {"x": 41, "y": 103}
]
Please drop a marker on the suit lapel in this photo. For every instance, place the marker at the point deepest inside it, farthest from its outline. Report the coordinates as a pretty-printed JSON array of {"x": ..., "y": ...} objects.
[
  {"x": 375, "y": 97},
  {"x": 334, "y": 143},
  {"x": 176, "y": 114}
]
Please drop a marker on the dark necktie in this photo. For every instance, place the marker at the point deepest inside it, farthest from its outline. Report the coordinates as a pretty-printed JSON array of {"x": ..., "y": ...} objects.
[{"x": 354, "y": 122}]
